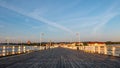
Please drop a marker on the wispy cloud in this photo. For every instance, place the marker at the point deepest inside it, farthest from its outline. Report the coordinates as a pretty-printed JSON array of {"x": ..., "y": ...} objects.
[
  {"x": 106, "y": 17},
  {"x": 34, "y": 16},
  {"x": 82, "y": 22},
  {"x": 97, "y": 22},
  {"x": 103, "y": 22},
  {"x": 37, "y": 17}
]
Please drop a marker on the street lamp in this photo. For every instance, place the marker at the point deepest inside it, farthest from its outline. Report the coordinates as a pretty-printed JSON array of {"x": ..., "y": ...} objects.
[
  {"x": 21, "y": 42},
  {"x": 78, "y": 35},
  {"x": 41, "y": 34},
  {"x": 7, "y": 41}
]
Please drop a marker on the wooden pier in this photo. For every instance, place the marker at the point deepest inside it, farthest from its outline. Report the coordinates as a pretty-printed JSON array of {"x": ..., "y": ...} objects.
[{"x": 60, "y": 58}]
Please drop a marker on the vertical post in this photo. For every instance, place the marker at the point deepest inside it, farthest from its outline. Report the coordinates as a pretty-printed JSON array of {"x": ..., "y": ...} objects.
[
  {"x": 24, "y": 48},
  {"x": 0, "y": 51},
  {"x": 41, "y": 34},
  {"x": 32, "y": 48},
  {"x": 39, "y": 48},
  {"x": 40, "y": 39},
  {"x": 113, "y": 51},
  {"x": 105, "y": 50},
  {"x": 81, "y": 47},
  {"x": 99, "y": 49},
  {"x": 0, "y": 42},
  {"x": 7, "y": 51},
  {"x": 13, "y": 49},
  {"x": 78, "y": 34},
  {"x": 21, "y": 42},
  {"x": 50, "y": 44},
  {"x": 4, "y": 51},
  {"x": 94, "y": 49},
  {"x": 19, "y": 49},
  {"x": 7, "y": 41}
]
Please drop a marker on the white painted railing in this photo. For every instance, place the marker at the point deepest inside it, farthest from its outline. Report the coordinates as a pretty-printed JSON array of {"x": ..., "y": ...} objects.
[
  {"x": 107, "y": 50},
  {"x": 18, "y": 49}
]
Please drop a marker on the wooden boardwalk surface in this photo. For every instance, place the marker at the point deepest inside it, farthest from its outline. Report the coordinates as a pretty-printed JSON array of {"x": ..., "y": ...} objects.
[{"x": 60, "y": 58}]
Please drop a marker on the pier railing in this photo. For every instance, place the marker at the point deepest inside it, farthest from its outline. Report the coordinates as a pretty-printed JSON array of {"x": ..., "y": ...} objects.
[
  {"x": 107, "y": 50},
  {"x": 19, "y": 49}
]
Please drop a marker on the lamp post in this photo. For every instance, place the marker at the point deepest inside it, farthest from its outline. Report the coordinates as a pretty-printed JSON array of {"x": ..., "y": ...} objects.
[
  {"x": 78, "y": 36},
  {"x": 21, "y": 42},
  {"x": 7, "y": 41},
  {"x": 0, "y": 42},
  {"x": 41, "y": 34}
]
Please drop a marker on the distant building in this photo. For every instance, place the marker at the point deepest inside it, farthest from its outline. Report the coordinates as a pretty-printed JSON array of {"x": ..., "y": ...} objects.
[
  {"x": 75, "y": 44},
  {"x": 96, "y": 44},
  {"x": 79, "y": 43},
  {"x": 28, "y": 42}
]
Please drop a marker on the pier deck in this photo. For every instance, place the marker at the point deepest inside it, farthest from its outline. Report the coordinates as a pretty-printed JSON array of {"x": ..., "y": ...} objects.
[{"x": 60, "y": 58}]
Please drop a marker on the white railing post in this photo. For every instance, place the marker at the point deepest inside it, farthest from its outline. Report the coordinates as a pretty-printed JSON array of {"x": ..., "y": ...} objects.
[
  {"x": 13, "y": 49},
  {"x": 99, "y": 49},
  {"x": 105, "y": 50},
  {"x": 7, "y": 47},
  {"x": 24, "y": 48},
  {"x": 19, "y": 49},
  {"x": 39, "y": 48},
  {"x": 113, "y": 51},
  {"x": 94, "y": 49},
  {"x": 4, "y": 51},
  {"x": 83, "y": 48},
  {"x": 0, "y": 51}
]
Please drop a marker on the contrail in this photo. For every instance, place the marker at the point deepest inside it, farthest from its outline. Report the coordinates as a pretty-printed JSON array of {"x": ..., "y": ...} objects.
[{"x": 36, "y": 17}]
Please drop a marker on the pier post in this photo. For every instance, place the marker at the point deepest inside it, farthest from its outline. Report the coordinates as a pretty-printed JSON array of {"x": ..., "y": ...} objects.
[
  {"x": 24, "y": 48},
  {"x": 99, "y": 49},
  {"x": 4, "y": 51},
  {"x": 7, "y": 52},
  {"x": 13, "y": 49},
  {"x": 113, "y": 51},
  {"x": 39, "y": 48},
  {"x": 94, "y": 49},
  {"x": 19, "y": 51},
  {"x": 105, "y": 50}
]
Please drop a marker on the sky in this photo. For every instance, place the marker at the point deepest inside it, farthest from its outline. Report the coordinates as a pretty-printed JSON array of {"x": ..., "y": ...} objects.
[{"x": 59, "y": 20}]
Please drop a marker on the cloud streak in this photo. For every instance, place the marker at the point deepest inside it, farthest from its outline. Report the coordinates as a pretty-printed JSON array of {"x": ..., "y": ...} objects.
[
  {"x": 95, "y": 23},
  {"x": 34, "y": 16},
  {"x": 103, "y": 22},
  {"x": 106, "y": 17}
]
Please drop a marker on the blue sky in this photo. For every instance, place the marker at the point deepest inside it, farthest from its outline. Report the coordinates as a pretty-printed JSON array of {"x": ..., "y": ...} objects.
[{"x": 60, "y": 20}]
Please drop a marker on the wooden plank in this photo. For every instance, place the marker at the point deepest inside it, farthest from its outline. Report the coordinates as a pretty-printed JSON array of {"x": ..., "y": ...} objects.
[{"x": 60, "y": 58}]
